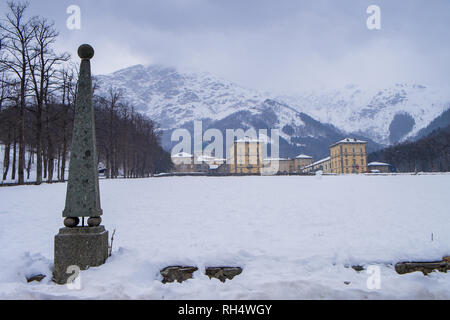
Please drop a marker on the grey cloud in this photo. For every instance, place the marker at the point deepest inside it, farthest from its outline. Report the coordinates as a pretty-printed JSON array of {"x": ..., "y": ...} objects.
[{"x": 285, "y": 45}]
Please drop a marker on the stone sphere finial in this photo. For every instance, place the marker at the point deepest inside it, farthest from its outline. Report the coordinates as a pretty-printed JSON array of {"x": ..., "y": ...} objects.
[{"x": 85, "y": 51}]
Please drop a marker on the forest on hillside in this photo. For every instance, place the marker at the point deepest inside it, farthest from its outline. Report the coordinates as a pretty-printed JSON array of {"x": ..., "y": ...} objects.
[
  {"x": 428, "y": 154},
  {"x": 38, "y": 89}
]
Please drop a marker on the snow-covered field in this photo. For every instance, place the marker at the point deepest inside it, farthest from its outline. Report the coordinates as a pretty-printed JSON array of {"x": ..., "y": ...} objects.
[{"x": 294, "y": 237}]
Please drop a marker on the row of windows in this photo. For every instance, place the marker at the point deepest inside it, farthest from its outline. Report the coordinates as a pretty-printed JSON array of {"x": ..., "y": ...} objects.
[
  {"x": 241, "y": 149},
  {"x": 354, "y": 162},
  {"x": 347, "y": 151}
]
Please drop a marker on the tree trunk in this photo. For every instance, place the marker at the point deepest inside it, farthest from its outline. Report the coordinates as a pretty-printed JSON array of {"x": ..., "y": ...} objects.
[
  {"x": 21, "y": 123},
  {"x": 13, "y": 172},
  {"x": 62, "y": 176},
  {"x": 30, "y": 156},
  {"x": 108, "y": 166},
  {"x": 448, "y": 162},
  {"x": 6, "y": 160},
  {"x": 51, "y": 161},
  {"x": 58, "y": 172},
  {"x": 7, "y": 155},
  {"x": 21, "y": 180},
  {"x": 64, "y": 153},
  {"x": 44, "y": 171},
  {"x": 39, "y": 147}
]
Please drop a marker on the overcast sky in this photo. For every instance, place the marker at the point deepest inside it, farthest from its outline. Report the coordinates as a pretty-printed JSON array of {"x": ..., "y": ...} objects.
[{"x": 282, "y": 45}]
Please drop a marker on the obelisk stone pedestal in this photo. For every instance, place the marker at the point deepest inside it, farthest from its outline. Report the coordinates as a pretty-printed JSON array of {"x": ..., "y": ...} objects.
[{"x": 81, "y": 247}]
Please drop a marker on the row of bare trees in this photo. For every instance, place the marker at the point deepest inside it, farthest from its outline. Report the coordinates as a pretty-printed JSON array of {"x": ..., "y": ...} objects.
[
  {"x": 128, "y": 142},
  {"x": 27, "y": 63},
  {"x": 37, "y": 95}
]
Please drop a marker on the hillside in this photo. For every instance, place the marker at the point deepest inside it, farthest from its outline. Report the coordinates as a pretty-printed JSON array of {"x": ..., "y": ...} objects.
[
  {"x": 308, "y": 123},
  {"x": 430, "y": 153}
]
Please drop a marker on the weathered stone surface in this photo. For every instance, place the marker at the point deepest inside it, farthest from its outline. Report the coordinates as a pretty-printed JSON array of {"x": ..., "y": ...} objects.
[
  {"x": 71, "y": 222},
  {"x": 424, "y": 267},
  {"x": 94, "y": 221},
  {"x": 177, "y": 273},
  {"x": 36, "y": 277},
  {"x": 83, "y": 197},
  {"x": 223, "y": 273},
  {"x": 82, "y": 247},
  {"x": 85, "y": 51}
]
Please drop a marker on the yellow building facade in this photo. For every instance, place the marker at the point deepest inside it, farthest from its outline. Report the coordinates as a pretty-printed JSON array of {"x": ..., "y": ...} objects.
[
  {"x": 349, "y": 156},
  {"x": 278, "y": 165},
  {"x": 183, "y": 162},
  {"x": 246, "y": 156},
  {"x": 300, "y": 162}
]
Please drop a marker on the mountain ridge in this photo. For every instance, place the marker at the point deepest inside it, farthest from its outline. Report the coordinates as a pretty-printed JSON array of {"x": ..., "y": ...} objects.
[{"x": 306, "y": 122}]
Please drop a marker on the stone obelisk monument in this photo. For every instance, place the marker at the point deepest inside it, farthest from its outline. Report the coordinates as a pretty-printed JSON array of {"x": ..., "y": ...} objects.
[{"x": 82, "y": 246}]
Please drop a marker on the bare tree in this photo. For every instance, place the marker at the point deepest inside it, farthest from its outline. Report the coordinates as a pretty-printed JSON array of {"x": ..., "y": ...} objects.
[
  {"x": 42, "y": 60},
  {"x": 37, "y": 95},
  {"x": 17, "y": 33},
  {"x": 67, "y": 85},
  {"x": 112, "y": 103}
]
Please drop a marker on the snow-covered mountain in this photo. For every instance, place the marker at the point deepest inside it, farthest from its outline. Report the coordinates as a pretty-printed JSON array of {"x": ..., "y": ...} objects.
[
  {"x": 386, "y": 115},
  {"x": 308, "y": 122},
  {"x": 172, "y": 98}
]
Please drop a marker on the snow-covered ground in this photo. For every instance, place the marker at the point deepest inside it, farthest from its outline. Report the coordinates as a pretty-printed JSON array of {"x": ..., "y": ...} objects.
[{"x": 294, "y": 237}]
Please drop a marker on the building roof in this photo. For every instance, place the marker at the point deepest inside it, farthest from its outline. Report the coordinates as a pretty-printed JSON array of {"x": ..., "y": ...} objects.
[
  {"x": 205, "y": 158},
  {"x": 348, "y": 141},
  {"x": 276, "y": 159},
  {"x": 250, "y": 139},
  {"x": 378, "y": 164},
  {"x": 182, "y": 155},
  {"x": 303, "y": 156},
  {"x": 323, "y": 160},
  {"x": 318, "y": 162}
]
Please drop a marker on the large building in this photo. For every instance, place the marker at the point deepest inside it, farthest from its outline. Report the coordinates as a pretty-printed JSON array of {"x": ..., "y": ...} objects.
[
  {"x": 211, "y": 161},
  {"x": 277, "y": 166},
  {"x": 300, "y": 162},
  {"x": 246, "y": 156},
  {"x": 349, "y": 156},
  {"x": 184, "y": 162}
]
